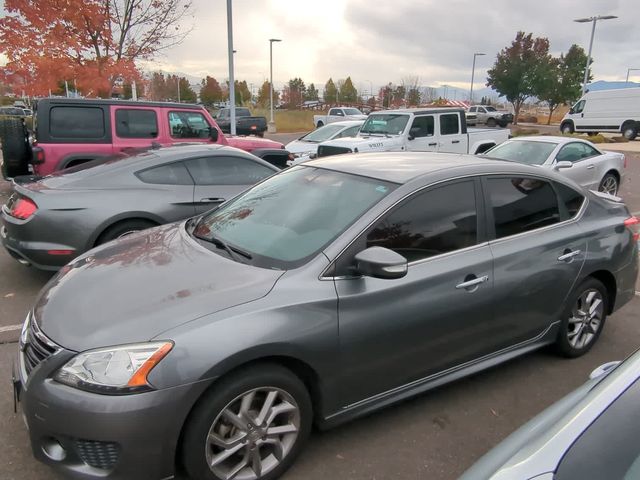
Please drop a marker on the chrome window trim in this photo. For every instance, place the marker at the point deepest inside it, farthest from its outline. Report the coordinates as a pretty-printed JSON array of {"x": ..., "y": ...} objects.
[{"x": 575, "y": 218}]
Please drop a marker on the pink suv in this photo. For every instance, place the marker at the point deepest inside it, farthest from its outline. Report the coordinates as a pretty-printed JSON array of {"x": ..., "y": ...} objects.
[{"x": 73, "y": 131}]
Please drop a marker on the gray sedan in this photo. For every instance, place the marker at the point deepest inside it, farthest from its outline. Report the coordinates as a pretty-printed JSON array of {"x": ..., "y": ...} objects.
[
  {"x": 323, "y": 293},
  {"x": 592, "y": 433},
  {"x": 49, "y": 222},
  {"x": 579, "y": 160}
]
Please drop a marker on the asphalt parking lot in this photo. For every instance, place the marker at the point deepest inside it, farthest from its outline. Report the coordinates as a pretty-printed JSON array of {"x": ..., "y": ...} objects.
[{"x": 435, "y": 436}]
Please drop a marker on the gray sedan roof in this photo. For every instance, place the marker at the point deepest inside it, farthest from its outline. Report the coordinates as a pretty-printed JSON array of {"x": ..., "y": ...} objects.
[{"x": 402, "y": 167}]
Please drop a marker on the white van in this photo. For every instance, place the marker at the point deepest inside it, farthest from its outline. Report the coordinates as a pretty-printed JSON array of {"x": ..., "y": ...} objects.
[{"x": 616, "y": 111}]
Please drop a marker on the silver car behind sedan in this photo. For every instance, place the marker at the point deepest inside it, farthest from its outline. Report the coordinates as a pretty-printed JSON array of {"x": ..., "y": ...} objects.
[
  {"x": 49, "y": 222},
  {"x": 579, "y": 160}
]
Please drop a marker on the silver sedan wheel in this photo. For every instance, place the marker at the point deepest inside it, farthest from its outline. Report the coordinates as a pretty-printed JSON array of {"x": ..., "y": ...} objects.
[
  {"x": 609, "y": 185},
  {"x": 253, "y": 434},
  {"x": 586, "y": 318}
]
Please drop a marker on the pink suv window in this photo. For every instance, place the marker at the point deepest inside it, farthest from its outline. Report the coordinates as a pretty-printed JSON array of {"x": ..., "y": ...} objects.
[{"x": 186, "y": 124}]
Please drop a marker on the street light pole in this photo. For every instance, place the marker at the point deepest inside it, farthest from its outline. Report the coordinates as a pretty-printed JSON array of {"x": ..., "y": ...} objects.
[
  {"x": 473, "y": 72},
  {"x": 232, "y": 85},
  {"x": 630, "y": 70},
  {"x": 593, "y": 31},
  {"x": 272, "y": 124}
]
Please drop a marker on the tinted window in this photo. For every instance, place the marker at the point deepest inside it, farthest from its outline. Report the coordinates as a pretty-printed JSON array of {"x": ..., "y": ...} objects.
[
  {"x": 227, "y": 171},
  {"x": 473, "y": 109},
  {"x": 609, "y": 448},
  {"x": 522, "y": 204},
  {"x": 188, "y": 125},
  {"x": 424, "y": 126},
  {"x": 437, "y": 221},
  {"x": 578, "y": 107},
  {"x": 574, "y": 152},
  {"x": 571, "y": 199},
  {"x": 77, "y": 122},
  {"x": 170, "y": 174},
  {"x": 449, "y": 124},
  {"x": 136, "y": 123},
  {"x": 385, "y": 123}
]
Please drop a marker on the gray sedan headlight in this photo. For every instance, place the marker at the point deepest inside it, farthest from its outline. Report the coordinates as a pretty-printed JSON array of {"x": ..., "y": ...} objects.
[{"x": 114, "y": 370}]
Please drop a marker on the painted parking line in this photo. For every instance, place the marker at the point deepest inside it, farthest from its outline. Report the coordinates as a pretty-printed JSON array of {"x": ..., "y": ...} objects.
[{"x": 11, "y": 328}]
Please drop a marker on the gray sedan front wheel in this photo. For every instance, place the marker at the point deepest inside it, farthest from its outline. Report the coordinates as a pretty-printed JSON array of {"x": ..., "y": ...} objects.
[
  {"x": 584, "y": 319},
  {"x": 251, "y": 427}
]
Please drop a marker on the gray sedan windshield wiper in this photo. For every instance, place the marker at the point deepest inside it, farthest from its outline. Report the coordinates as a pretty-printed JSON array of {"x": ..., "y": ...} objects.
[{"x": 232, "y": 251}]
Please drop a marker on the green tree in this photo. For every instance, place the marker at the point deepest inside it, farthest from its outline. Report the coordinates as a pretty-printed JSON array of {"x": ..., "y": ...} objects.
[
  {"x": 243, "y": 90},
  {"x": 348, "y": 92},
  {"x": 520, "y": 69},
  {"x": 294, "y": 93},
  {"x": 187, "y": 94},
  {"x": 330, "y": 92},
  {"x": 312, "y": 92},
  {"x": 564, "y": 82},
  {"x": 413, "y": 97},
  {"x": 263, "y": 95},
  {"x": 210, "y": 91}
]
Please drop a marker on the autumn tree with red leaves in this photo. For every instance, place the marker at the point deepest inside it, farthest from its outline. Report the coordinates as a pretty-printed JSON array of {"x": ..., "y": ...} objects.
[{"x": 94, "y": 42}]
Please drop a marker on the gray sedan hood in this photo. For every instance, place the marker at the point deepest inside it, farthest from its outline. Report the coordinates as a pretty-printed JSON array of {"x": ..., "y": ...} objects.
[{"x": 133, "y": 289}]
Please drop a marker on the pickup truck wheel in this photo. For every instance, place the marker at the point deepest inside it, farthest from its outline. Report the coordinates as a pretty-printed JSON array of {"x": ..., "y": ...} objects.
[
  {"x": 15, "y": 147},
  {"x": 491, "y": 122},
  {"x": 592, "y": 134},
  {"x": 260, "y": 134},
  {"x": 320, "y": 124}
]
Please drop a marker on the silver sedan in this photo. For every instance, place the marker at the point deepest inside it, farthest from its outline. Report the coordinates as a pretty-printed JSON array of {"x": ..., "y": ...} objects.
[{"x": 579, "y": 160}]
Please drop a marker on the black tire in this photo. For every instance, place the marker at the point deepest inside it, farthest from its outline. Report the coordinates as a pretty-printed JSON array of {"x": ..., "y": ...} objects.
[
  {"x": 194, "y": 447},
  {"x": 567, "y": 128},
  {"x": 503, "y": 124},
  {"x": 320, "y": 124},
  {"x": 592, "y": 134},
  {"x": 568, "y": 325},
  {"x": 123, "y": 228},
  {"x": 609, "y": 181},
  {"x": 630, "y": 130},
  {"x": 260, "y": 134},
  {"x": 491, "y": 122},
  {"x": 15, "y": 147}
]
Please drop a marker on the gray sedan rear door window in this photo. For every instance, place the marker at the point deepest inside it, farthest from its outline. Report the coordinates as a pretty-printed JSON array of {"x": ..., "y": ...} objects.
[
  {"x": 170, "y": 174},
  {"x": 522, "y": 204},
  {"x": 219, "y": 170}
]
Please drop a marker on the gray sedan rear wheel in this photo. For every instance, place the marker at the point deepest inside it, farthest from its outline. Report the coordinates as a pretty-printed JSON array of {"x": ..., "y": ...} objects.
[
  {"x": 124, "y": 228},
  {"x": 250, "y": 427},
  {"x": 583, "y": 319},
  {"x": 609, "y": 184}
]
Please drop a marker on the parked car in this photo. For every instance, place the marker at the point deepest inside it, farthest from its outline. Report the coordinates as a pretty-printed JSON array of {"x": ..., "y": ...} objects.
[
  {"x": 246, "y": 124},
  {"x": 338, "y": 114},
  {"x": 49, "y": 222},
  {"x": 591, "y": 433},
  {"x": 69, "y": 132},
  {"x": 579, "y": 160},
  {"x": 418, "y": 130},
  {"x": 489, "y": 116},
  {"x": 12, "y": 112},
  {"x": 306, "y": 147},
  {"x": 616, "y": 111},
  {"x": 215, "y": 343}
]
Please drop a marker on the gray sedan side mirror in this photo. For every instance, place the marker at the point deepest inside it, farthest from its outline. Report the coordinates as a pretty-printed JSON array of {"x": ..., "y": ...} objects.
[
  {"x": 561, "y": 165},
  {"x": 379, "y": 262}
]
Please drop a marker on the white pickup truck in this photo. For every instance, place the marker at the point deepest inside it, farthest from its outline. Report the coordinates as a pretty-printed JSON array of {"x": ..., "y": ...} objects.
[
  {"x": 417, "y": 130},
  {"x": 338, "y": 114}
]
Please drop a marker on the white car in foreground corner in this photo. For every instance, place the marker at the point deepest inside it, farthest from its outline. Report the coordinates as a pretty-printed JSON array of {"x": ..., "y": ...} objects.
[
  {"x": 576, "y": 159},
  {"x": 306, "y": 147}
]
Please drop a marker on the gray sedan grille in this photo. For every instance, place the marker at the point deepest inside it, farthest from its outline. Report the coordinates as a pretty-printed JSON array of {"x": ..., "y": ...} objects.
[
  {"x": 37, "y": 347},
  {"x": 102, "y": 455},
  {"x": 327, "y": 150}
]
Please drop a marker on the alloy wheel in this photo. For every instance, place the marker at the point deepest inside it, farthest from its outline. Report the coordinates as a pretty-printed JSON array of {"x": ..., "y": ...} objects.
[
  {"x": 253, "y": 434},
  {"x": 609, "y": 185},
  {"x": 586, "y": 318}
]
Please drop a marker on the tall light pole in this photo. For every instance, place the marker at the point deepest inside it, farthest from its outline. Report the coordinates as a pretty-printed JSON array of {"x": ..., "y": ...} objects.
[
  {"x": 593, "y": 31},
  {"x": 473, "y": 72},
  {"x": 630, "y": 70},
  {"x": 232, "y": 83},
  {"x": 272, "y": 124}
]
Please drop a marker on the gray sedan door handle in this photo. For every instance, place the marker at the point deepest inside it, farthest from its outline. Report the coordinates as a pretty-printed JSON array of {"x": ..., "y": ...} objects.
[
  {"x": 473, "y": 283},
  {"x": 567, "y": 257},
  {"x": 211, "y": 200},
  {"x": 591, "y": 167}
]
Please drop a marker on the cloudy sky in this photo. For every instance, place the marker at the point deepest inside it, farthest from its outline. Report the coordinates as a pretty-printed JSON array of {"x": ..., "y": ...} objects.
[{"x": 379, "y": 42}]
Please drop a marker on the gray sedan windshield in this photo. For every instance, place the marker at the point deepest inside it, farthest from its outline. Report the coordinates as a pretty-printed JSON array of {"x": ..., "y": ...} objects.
[
  {"x": 290, "y": 217},
  {"x": 523, "y": 151}
]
